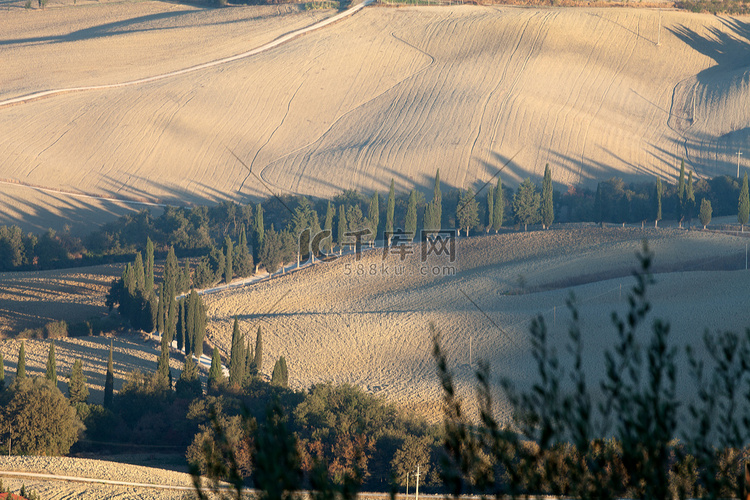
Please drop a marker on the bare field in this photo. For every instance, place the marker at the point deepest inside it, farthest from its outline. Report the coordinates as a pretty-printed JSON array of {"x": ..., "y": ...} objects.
[
  {"x": 31, "y": 299},
  {"x": 371, "y": 328},
  {"x": 385, "y": 93}
]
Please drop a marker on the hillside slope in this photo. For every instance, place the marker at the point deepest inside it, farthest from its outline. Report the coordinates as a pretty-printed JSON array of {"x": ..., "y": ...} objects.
[{"x": 386, "y": 93}]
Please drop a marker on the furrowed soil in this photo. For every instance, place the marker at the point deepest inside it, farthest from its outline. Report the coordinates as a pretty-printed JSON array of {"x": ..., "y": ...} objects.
[{"x": 387, "y": 93}]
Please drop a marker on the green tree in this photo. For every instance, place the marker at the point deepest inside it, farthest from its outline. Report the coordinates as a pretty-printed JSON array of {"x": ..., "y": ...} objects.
[
  {"x": 690, "y": 198},
  {"x": 499, "y": 207},
  {"x": 705, "y": 213},
  {"x": 51, "y": 373},
  {"x": 526, "y": 203},
  {"x": 259, "y": 351},
  {"x": 149, "y": 265},
  {"x": 599, "y": 205},
  {"x": 162, "y": 364},
  {"x": 342, "y": 228},
  {"x": 140, "y": 274},
  {"x": 280, "y": 376},
  {"x": 38, "y": 418},
  {"x": 681, "y": 192},
  {"x": 21, "y": 366},
  {"x": 78, "y": 391},
  {"x": 228, "y": 272},
  {"x": 328, "y": 226},
  {"x": 410, "y": 225},
  {"x": 415, "y": 451},
  {"x": 2, "y": 373},
  {"x": 258, "y": 234},
  {"x": 160, "y": 310},
  {"x": 373, "y": 214},
  {"x": 467, "y": 211},
  {"x": 171, "y": 274},
  {"x": 657, "y": 198},
  {"x": 390, "y": 210},
  {"x": 215, "y": 373},
  {"x": 437, "y": 202},
  {"x": 109, "y": 382},
  {"x": 548, "y": 209},
  {"x": 490, "y": 208},
  {"x": 743, "y": 206},
  {"x": 237, "y": 357},
  {"x": 242, "y": 259}
]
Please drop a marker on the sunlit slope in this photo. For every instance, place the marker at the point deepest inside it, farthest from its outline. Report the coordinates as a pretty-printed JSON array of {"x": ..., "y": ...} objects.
[
  {"x": 396, "y": 93},
  {"x": 368, "y": 325}
]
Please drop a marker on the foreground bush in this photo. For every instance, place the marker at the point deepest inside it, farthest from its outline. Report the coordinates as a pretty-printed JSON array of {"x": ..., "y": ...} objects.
[{"x": 36, "y": 419}]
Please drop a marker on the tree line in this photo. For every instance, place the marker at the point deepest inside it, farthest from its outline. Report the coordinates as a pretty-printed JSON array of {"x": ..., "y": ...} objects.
[{"x": 267, "y": 234}]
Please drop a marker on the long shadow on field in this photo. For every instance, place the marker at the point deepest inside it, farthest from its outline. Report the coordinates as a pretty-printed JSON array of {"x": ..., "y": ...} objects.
[
  {"x": 105, "y": 30},
  {"x": 730, "y": 49}
]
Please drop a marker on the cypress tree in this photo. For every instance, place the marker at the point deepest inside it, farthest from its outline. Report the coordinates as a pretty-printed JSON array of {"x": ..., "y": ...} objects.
[
  {"x": 681, "y": 193},
  {"x": 259, "y": 234},
  {"x": 228, "y": 272},
  {"x": 526, "y": 203},
  {"x": 149, "y": 265},
  {"x": 548, "y": 210},
  {"x": 259, "y": 351},
  {"x": 499, "y": 207},
  {"x": 171, "y": 326},
  {"x": 490, "y": 208},
  {"x": 690, "y": 198},
  {"x": 437, "y": 202},
  {"x": 139, "y": 273},
  {"x": 279, "y": 377},
  {"x": 51, "y": 373},
  {"x": 250, "y": 369},
  {"x": 659, "y": 191},
  {"x": 373, "y": 214},
  {"x": 341, "y": 228},
  {"x": 109, "y": 383},
  {"x": 328, "y": 226},
  {"x": 181, "y": 326},
  {"x": 188, "y": 384},
  {"x": 410, "y": 225},
  {"x": 599, "y": 205},
  {"x": 78, "y": 392},
  {"x": 171, "y": 275},
  {"x": 743, "y": 206},
  {"x": 185, "y": 277},
  {"x": 160, "y": 310},
  {"x": 429, "y": 221},
  {"x": 21, "y": 366},
  {"x": 2, "y": 373},
  {"x": 237, "y": 358},
  {"x": 215, "y": 375},
  {"x": 162, "y": 365},
  {"x": 389, "y": 212},
  {"x": 242, "y": 261}
]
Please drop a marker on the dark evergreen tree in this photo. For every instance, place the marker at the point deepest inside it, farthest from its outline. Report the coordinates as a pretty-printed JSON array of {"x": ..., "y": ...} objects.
[
  {"x": 467, "y": 211},
  {"x": 181, "y": 326},
  {"x": 215, "y": 374},
  {"x": 185, "y": 278},
  {"x": 304, "y": 226},
  {"x": 140, "y": 273},
  {"x": 228, "y": 271},
  {"x": 189, "y": 385},
  {"x": 657, "y": 203},
  {"x": 490, "y": 208},
  {"x": 237, "y": 357},
  {"x": 250, "y": 369},
  {"x": 526, "y": 203},
  {"x": 279, "y": 376},
  {"x": 204, "y": 277},
  {"x": 437, "y": 202},
  {"x": 599, "y": 205},
  {"x": 497, "y": 218},
  {"x": 743, "y": 206},
  {"x": 149, "y": 265},
  {"x": 78, "y": 391},
  {"x": 217, "y": 263},
  {"x": 328, "y": 226},
  {"x": 21, "y": 366},
  {"x": 342, "y": 228},
  {"x": 681, "y": 193},
  {"x": 162, "y": 365},
  {"x": 690, "y": 199},
  {"x": 548, "y": 209},
  {"x": 390, "y": 210},
  {"x": 2, "y": 373},
  {"x": 243, "y": 260},
  {"x": 109, "y": 382},
  {"x": 373, "y": 214},
  {"x": 705, "y": 213},
  {"x": 171, "y": 274},
  {"x": 51, "y": 373},
  {"x": 160, "y": 311},
  {"x": 410, "y": 224},
  {"x": 429, "y": 220},
  {"x": 258, "y": 234},
  {"x": 259, "y": 351}
]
